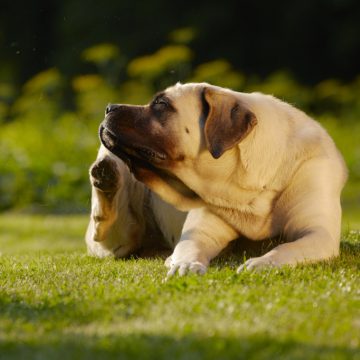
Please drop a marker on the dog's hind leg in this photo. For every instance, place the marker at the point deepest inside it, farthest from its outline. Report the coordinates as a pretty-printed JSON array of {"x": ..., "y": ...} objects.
[
  {"x": 116, "y": 222},
  {"x": 311, "y": 213}
]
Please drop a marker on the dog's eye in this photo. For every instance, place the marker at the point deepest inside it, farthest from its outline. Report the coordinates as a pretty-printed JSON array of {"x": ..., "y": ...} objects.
[{"x": 160, "y": 102}]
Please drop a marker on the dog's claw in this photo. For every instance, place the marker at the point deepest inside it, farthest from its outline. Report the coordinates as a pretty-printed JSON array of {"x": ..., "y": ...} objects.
[
  {"x": 256, "y": 263},
  {"x": 183, "y": 268},
  {"x": 241, "y": 268},
  {"x": 172, "y": 271}
]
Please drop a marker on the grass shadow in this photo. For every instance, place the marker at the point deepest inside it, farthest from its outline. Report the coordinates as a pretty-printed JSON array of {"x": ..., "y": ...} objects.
[
  {"x": 241, "y": 249},
  {"x": 350, "y": 248},
  {"x": 192, "y": 346},
  {"x": 15, "y": 308}
]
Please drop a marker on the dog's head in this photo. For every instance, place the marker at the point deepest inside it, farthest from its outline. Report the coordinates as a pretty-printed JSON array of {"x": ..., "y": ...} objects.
[{"x": 184, "y": 127}]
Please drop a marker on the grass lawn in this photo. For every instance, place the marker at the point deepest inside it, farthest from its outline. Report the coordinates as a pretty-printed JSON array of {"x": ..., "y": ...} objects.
[{"x": 58, "y": 303}]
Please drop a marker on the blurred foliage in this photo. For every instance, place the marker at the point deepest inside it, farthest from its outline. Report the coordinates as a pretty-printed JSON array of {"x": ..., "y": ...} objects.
[
  {"x": 42, "y": 94},
  {"x": 101, "y": 54},
  {"x": 46, "y": 148},
  {"x": 182, "y": 35},
  {"x": 218, "y": 72},
  {"x": 108, "y": 60},
  {"x": 150, "y": 69}
]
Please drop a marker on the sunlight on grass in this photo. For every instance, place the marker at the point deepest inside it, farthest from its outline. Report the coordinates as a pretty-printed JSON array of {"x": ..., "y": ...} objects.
[
  {"x": 56, "y": 302},
  {"x": 32, "y": 233}
]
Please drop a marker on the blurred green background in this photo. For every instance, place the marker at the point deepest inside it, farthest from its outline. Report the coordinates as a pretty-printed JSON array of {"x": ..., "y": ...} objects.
[{"x": 61, "y": 62}]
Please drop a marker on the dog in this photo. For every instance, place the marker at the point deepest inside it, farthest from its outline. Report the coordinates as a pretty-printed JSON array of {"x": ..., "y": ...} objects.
[{"x": 202, "y": 165}]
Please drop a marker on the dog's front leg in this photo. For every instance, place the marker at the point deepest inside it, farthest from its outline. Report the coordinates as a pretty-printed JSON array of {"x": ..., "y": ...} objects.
[{"x": 203, "y": 237}]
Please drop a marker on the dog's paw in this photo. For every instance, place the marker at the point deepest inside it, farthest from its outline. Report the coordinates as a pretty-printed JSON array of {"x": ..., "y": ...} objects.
[
  {"x": 184, "y": 267},
  {"x": 257, "y": 263},
  {"x": 168, "y": 261},
  {"x": 104, "y": 175}
]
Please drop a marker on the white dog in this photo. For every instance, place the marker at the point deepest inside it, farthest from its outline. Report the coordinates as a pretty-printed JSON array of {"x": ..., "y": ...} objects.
[{"x": 232, "y": 164}]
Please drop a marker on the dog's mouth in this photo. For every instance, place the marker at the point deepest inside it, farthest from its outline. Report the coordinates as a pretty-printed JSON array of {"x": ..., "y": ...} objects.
[
  {"x": 143, "y": 157},
  {"x": 129, "y": 152}
]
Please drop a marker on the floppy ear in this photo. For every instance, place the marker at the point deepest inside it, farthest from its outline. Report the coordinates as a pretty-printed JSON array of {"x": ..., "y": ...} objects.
[{"x": 228, "y": 121}]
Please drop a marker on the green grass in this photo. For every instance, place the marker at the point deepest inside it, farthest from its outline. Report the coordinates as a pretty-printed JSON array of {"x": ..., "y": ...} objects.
[{"x": 58, "y": 303}]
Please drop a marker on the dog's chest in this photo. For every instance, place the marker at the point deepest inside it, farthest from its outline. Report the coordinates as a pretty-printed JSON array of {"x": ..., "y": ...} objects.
[{"x": 250, "y": 213}]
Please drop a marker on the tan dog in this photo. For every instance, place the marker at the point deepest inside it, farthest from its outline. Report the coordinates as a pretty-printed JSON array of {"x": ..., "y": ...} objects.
[{"x": 239, "y": 164}]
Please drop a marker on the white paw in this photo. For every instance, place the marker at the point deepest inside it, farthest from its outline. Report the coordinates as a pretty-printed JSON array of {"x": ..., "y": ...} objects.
[
  {"x": 257, "y": 263},
  {"x": 168, "y": 262},
  {"x": 184, "y": 267}
]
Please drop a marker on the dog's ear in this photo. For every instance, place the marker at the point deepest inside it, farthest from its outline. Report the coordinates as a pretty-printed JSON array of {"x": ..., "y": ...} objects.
[{"x": 227, "y": 123}]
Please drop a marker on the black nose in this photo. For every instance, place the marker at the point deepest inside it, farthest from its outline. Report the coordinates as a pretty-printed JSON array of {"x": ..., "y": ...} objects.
[{"x": 110, "y": 108}]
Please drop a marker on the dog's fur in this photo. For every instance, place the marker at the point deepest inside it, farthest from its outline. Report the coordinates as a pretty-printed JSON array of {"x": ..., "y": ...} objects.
[{"x": 233, "y": 164}]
